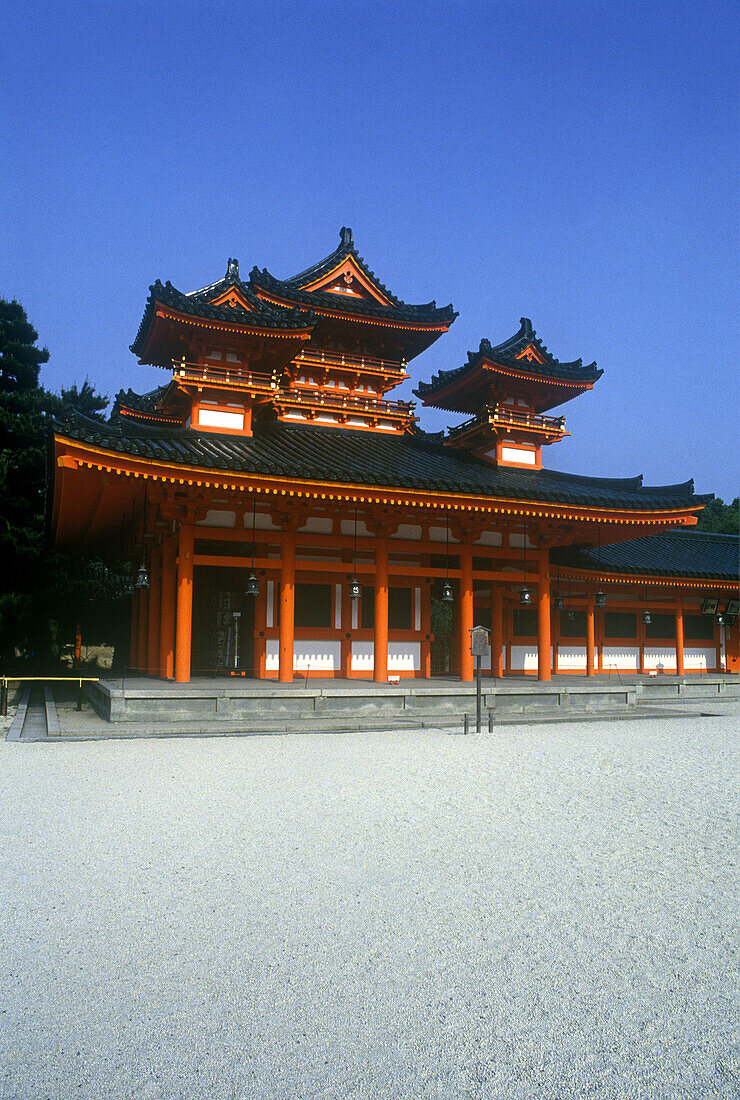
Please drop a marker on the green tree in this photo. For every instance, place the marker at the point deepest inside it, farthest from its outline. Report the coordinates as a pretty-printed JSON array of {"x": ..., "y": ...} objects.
[
  {"x": 724, "y": 519},
  {"x": 20, "y": 359},
  {"x": 35, "y": 583},
  {"x": 85, "y": 400}
]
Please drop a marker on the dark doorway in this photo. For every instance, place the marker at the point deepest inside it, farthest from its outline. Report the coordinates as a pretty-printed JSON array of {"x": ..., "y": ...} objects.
[
  {"x": 442, "y": 624},
  {"x": 223, "y": 622}
]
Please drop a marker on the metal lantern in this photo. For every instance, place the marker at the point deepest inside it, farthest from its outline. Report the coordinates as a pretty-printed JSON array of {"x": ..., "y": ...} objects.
[
  {"x": 571, "y": 615},
  {"x": 447, "y": 593},
  {"x": 253, "y": 588},
  {"x": 559, "y": 603},
  {"x": 525, "y": 597},
  {"x": 142, "y": 579},
  {"x": 355, "y": 589},
  {"x": 646, "y": 618},
  {"x": 600, "y": 599},
  {"x": 720, "y": 619}
]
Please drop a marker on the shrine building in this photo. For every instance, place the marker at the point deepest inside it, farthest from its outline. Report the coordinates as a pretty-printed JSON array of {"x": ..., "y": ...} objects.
[{"x": 287, "y": 517}]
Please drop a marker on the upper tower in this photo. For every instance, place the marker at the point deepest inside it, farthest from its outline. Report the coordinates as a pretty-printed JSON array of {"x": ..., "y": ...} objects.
[
  {"x": 507, "y": 388},
  {"x": 324, "y": 346}
]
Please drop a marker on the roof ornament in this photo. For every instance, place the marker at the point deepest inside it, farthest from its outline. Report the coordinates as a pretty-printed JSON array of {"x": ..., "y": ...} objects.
[
  {"x": 345, "y": 236},
  {"x": 232, "y": 269}
]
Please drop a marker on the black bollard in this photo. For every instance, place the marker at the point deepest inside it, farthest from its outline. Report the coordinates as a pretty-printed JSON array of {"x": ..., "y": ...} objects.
[
  {"x": 490, "y": 721},
  {"x": 466, "y": 725},
  {"x": 79, "y": 694}
]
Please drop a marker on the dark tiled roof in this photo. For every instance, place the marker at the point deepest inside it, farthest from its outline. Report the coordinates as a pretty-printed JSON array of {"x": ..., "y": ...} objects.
[
  {"x": 410, "y": 461},
  {"x": 505, "y": 354},
  {"x": 138, "y": 402},
  {"x": 292, "y": 289},
  {"x": 683, "y": 553},
  {"x": 198, "y": 304}
]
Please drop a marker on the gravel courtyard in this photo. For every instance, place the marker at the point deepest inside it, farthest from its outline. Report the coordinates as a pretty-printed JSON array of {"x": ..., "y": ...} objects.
[{"x": 545, "y": 912}]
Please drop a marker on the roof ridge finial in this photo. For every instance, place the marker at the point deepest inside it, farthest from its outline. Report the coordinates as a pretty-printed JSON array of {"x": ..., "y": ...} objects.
[
  {"x": 345, "y": 237},
  {"x": 526, "y": 326},
  {"x": 232, "y": 268}
]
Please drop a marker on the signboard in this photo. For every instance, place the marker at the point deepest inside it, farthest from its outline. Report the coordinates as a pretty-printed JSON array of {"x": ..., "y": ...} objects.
[{"x": 479, "y": 641}]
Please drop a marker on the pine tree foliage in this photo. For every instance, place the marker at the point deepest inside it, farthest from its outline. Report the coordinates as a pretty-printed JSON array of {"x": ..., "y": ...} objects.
[
  {"x": 35, "y": 584},
  {"x": 723, "y": 519}
]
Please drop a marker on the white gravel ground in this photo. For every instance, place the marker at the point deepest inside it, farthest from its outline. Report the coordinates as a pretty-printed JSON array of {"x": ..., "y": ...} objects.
[{"x": 547, "y": 912}]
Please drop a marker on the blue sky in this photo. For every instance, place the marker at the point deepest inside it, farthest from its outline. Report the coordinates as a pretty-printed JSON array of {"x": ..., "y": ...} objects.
[{"x": 575, "y": 163}]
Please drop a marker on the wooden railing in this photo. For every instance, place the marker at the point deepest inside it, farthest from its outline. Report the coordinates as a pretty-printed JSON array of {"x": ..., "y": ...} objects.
[
  {"x": 500, "y": 414},
  {"x": 367, "y": 364},
  {"x": 359, "y": 405},
  {"x": 232, "y": 375}
]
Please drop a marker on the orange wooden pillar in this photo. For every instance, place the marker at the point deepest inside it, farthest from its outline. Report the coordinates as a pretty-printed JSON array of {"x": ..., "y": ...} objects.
[
  {"x": 466, "y": 612},
  {"x": 167, "y": 611},
  {"x": 679, "y": 637},
  {"x": 184, "y": 626},
  {"x": 155, "y": 600},
  {"x": 287, "y": 609},
  {"x": 380, "y": 636},
  {"x": 497, "y": 631},
  {"x": 141, "y": 653},
  {"x": 134, "y": 632},
  {"x": 544, "y": 670},
  {"x": 590, "y": 635}
]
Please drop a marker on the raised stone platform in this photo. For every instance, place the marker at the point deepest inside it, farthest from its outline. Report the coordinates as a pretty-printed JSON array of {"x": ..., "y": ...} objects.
[{"x": 221, "y": 704}]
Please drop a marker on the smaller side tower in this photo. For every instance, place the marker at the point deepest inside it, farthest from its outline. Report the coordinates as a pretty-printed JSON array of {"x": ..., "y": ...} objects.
[{"x": 507, "y": 388}]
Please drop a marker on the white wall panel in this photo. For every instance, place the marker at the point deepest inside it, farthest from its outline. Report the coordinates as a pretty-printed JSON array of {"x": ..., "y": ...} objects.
[
  {"x": 523, "y": 658},
  {"x": 662, "y": 658},
  {"x": 700, "y": 658},
  {"x": 572, "y": 657},
  {"x": 217, "y": 517},
  {"x": 308, "y": 656},
  {"x": 621, "y": 656},
  {"x": 270, "y": 613},
  {"x": 404, "y": 656},
  {"x": 362, "y": 656}
]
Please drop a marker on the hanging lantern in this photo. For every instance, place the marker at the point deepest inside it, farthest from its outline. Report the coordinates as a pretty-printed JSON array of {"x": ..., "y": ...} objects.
[
  {"x": 142, "y": 579},
  {"x": 571, "y": 615},
  {"x": 253, "y": 588},
  {"x": 646, "y": 618},
  {"x": 559, "y": 603},
  {"x": 525, "y": 597},
  {"x": 355, "y": 589},
  {"x": 600, "y": 599},
  {"x": 447, "y": 593},
  {"x": 720, "y": 619}
]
